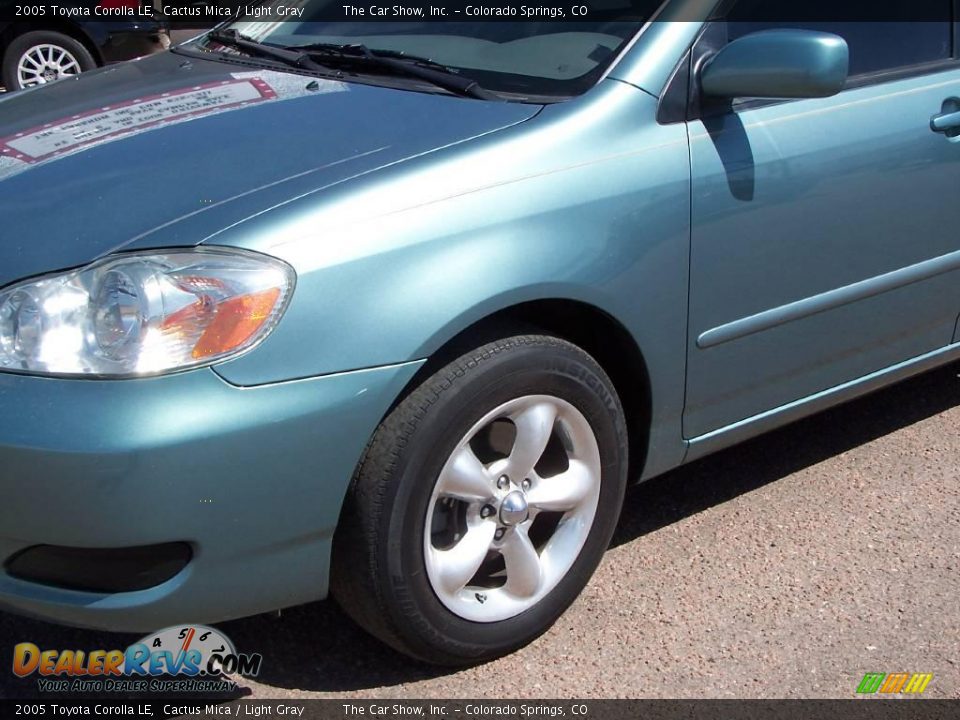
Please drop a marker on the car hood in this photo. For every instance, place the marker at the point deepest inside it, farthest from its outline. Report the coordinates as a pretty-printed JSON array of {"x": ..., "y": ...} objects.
[{"x": 168, "y": 150}]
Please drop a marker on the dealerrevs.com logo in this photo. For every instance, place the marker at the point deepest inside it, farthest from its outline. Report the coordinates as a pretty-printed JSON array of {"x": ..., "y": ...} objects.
[{"x": 191, "y": 658}]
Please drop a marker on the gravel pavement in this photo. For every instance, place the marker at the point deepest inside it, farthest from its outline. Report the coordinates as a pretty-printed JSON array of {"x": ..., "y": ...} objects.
[{"x": 788, "y": 566}]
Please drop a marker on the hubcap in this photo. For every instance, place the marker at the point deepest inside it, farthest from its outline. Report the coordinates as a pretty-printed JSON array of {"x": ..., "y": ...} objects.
[
  {"x": 44, "y": 64},
  {"x": 512, "y": 508}
]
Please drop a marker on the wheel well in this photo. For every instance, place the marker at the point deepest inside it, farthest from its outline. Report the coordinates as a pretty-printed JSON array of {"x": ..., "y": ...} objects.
[
  {"x": 586, "y": 326},
  {"x": 16, "y": 29}
]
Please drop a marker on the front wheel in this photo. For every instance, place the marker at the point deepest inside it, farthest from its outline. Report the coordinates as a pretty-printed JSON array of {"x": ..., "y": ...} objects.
[{"x": 484, "y": 502}]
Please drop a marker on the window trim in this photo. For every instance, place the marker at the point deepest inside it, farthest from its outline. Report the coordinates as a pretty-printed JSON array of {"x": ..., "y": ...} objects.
[
  {"x": 688, "y": 70},
  {"x": 956, "y": 28}
]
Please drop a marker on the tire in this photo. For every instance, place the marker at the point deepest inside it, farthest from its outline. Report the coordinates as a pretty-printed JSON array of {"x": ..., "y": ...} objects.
[
  {"x": 59, "y": 53},
  {"x": 400, "y": 582}
]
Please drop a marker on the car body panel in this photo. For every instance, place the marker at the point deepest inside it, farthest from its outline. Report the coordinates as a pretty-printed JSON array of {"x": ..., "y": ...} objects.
[
  {"x": 349, "y": 128},
  {"x": 253, "y": 479},
  {"x": 801, "y": 279},
  {"x": 651, "y": 60},
  {"x": 423, "y": 237},
  {"x": 803, "y": 407}
]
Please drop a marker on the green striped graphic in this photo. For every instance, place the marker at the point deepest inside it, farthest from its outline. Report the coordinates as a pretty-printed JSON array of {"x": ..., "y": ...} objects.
[{"x": 871, "y": 683}]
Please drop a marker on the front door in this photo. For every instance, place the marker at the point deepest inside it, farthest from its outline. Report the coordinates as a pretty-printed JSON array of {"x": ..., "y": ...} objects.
[{"x": 825, "y": 232}]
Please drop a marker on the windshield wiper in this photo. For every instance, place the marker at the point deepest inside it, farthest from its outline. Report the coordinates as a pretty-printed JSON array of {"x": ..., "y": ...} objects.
[
  {"x": 399, "y": 63},
  {"x": 287, "y": 56}
]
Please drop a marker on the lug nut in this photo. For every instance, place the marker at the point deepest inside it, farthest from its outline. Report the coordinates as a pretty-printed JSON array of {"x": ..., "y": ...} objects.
[
  {"x": 503, "y": 482},
  {"x": 487, "y": 511},
  {"x": 498, "y": 535},
  {"x": 526, "y": 484}
]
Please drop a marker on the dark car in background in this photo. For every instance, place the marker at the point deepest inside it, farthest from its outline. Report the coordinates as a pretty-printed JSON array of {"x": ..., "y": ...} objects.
[{"x": 45, "y": 46}]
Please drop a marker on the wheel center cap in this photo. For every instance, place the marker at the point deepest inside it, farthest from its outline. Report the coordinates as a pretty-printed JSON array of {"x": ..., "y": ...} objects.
[{"x": 513, "y": 509}]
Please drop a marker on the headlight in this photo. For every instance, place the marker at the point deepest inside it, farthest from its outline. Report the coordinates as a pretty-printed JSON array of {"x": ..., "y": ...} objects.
[{"x": 143, "y": 314}]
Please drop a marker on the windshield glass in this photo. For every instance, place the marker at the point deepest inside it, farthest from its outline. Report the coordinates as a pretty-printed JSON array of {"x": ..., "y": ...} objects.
[{"x": 549, "y": 58}]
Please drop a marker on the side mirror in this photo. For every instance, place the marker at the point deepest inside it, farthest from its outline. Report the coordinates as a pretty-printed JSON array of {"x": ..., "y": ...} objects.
[{"x": 778, "y": 64}]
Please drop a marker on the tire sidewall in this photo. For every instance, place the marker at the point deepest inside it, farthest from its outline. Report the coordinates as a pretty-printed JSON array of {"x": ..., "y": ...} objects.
[{"x": 556, "y": 370}]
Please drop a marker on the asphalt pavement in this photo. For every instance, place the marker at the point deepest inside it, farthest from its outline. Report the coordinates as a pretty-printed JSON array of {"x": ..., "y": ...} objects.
[{"x": 786, "y": 567}]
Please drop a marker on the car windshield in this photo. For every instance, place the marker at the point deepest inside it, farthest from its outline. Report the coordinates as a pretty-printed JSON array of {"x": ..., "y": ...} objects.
[{"x": 536, "y": 59}]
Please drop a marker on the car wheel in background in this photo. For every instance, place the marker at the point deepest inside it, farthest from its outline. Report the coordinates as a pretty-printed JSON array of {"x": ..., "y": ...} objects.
[
  {"x": 484, "y": 502},
  {"x": 41, "y": 57}
]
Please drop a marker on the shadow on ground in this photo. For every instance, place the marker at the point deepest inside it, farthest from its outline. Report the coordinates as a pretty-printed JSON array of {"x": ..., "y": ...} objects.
[
  {"x": 317, "y": 648},
  {"x": 758, "y": 462}
]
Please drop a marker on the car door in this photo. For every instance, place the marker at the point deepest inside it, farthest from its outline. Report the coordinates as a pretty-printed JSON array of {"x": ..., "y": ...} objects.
[{"x": 825, "y": 232}]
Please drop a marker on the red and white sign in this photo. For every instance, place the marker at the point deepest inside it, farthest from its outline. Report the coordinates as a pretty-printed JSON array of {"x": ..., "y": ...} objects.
[{"x": 58, "y": 138}]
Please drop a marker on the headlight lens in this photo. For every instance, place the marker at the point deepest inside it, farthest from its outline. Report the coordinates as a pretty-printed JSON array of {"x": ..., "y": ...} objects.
[{"x": 143, "y": 314}]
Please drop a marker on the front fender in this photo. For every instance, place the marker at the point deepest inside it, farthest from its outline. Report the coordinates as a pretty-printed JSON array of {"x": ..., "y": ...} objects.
[{"x": 589, "y": 201}]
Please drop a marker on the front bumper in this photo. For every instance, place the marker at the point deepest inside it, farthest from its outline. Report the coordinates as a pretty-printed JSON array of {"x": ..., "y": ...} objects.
[{"x": 252, "y": 478}]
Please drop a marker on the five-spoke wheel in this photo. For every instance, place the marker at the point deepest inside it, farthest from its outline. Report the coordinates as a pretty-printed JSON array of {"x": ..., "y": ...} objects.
[
  {"x": 512, "y": 508},
  {"x": 484, "y": 502}
]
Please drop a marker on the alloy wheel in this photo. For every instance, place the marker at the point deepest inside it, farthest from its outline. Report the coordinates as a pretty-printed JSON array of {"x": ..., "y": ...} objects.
[
  {"x": 512, "y": 508},
  {"x": 42, "y": 64}
]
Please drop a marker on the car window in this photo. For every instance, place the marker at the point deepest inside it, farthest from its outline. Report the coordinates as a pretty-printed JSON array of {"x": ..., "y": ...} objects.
[
  {"x": 875, "y": 46},
  {"x": 535, "y": 58}
]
